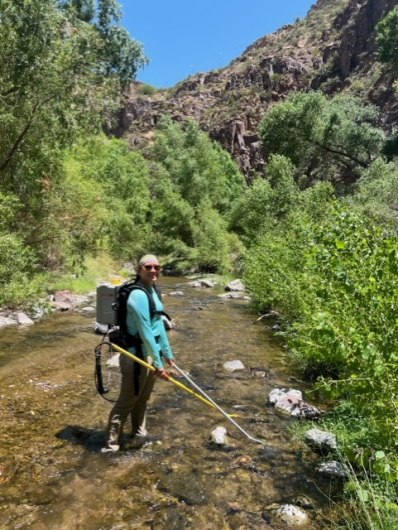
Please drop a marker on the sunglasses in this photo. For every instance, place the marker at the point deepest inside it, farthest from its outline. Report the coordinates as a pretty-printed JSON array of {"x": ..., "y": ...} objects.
[{"x": 157, "y": 268}]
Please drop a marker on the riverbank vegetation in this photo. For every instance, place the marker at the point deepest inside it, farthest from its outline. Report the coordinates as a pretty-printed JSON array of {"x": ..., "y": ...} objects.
[{"x": 315, "y": 236}]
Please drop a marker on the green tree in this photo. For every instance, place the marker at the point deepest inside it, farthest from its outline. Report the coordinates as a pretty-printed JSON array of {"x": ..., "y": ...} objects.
[
  {"x": 119, "y": 55},
  {"x": 387, "y": 38},
  {"x": 323, "y": 137},
  {"x": 194, "y": 184}
]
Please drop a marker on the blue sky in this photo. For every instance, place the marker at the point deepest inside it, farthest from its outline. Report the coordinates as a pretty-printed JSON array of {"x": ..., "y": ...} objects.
[{"x": 182, "y": 37}]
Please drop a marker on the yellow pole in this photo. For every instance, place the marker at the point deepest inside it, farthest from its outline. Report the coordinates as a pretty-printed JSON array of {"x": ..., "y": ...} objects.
[{"x": 169, "y": 378}]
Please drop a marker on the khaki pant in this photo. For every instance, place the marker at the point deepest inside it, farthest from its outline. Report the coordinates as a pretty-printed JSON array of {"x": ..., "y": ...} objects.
[{"x": 129, "y": 403}]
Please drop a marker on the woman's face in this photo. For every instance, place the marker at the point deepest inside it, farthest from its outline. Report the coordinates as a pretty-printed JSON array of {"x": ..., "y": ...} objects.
[{"x": 149, "y": 272}]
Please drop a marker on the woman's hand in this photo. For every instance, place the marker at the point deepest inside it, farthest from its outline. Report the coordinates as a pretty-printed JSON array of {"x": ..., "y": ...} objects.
[
  {"x": 170, "y": 362},
  {"x": 161, "y": 372}
]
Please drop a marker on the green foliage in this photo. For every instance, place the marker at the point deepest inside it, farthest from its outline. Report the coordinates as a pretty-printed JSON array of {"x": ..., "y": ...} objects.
[
  {"x": 145, "y": 90},
  {"x": 106, "y": 196},
  {"x": 119, "y": 55},
  {"x": 387, "y": 38},
  {"x": 195, "y": 184},
  {"x": 322, "y": 136},
  {"x": 377, "y": 193}
]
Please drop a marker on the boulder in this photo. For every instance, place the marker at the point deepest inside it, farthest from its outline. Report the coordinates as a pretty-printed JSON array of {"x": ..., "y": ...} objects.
[
  {"x": 24, "y": 319},
  {"x": 333, "y": 469},
  {"x": 278, "y": 393},
  {"x": 296, "y": 407},
  {"x": 322, "y": 441},
  {"x": 6, "y": 321},
  {"x": 235, "y": 285},
  {"x": 229, "y": 295},
  {"x": 63, "y": 296}
]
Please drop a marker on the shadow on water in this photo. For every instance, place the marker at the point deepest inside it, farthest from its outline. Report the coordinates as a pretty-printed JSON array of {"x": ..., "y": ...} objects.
[
  {"x": 91, "y": 439},
  {"x": 53, "y": 474}
]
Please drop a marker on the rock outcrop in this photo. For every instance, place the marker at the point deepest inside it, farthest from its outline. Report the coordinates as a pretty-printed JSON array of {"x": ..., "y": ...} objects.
[{"x": 333, "y": 49}]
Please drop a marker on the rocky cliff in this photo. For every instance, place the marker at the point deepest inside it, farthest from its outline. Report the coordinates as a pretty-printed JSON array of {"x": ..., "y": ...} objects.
[{"x": 332, "y": 49}]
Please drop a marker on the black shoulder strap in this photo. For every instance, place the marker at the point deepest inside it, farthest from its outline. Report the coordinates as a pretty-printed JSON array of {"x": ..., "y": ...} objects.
[{"x": 152, "y": 305}]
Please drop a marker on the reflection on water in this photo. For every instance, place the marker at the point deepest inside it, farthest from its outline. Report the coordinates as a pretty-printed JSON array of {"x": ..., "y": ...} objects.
[{"x": 53, "y": 475}]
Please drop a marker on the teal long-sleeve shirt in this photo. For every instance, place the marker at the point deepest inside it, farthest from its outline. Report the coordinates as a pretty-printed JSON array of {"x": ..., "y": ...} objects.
[{"x": 139, "y": 321}]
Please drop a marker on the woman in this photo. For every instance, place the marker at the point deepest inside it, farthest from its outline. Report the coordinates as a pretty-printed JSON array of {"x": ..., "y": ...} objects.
[{"x": 149, "y": 335}]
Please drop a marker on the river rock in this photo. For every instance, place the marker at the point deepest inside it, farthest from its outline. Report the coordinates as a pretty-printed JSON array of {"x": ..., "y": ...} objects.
[
  {"x": 61, "y": 306},
  {"x": 279, "y": 393},
  {"x": 291, "y": 515},
  {"x": 177, "y": 293},
  {"x": 233, "y": 366},
  {"x": 322, "y": 441},
  {"x": 235, "y": 285},
  {"x": 219, "y": 436},
  {"x": 333, "y": 469},
  {"x": 6, "y": 321},
  {"x": 207, "y": 283},
  {"x": 296, "y": 407},
  {"x": 201, "y": 283},
  {"x": 88, "y": 310},
  {"x": 63, "y": 296},
  {"x": 24, "y": 319},
  {"x": 229, "y": 295}
]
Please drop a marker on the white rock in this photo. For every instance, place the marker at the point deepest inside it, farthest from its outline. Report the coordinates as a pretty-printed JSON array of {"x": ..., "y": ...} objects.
[
  {"x": 233, "y": 366},
  {"x": 219, "y": 435},
  {"x": 333, "y": 469},
  {"x": 24, "y": 319},
  {"x": 291, "y": 515},
  {"x": 278, "y": 393},
  {"x": 88, "y": 310},
  {"x": 5, "y": 321},
  {"x": 177, "y": 293}
]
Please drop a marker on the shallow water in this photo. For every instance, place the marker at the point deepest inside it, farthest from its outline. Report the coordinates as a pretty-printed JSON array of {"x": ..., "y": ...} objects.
[{"x": 53, "y": 475}]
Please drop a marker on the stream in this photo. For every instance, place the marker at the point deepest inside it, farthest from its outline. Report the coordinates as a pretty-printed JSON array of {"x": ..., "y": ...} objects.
[{"x": 54, "y": 476}]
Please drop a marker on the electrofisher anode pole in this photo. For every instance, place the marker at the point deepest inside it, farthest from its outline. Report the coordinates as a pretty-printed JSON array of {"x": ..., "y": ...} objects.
[
  {"x": 216, "y": 406},
  {"x": 205, "y": 399}
]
